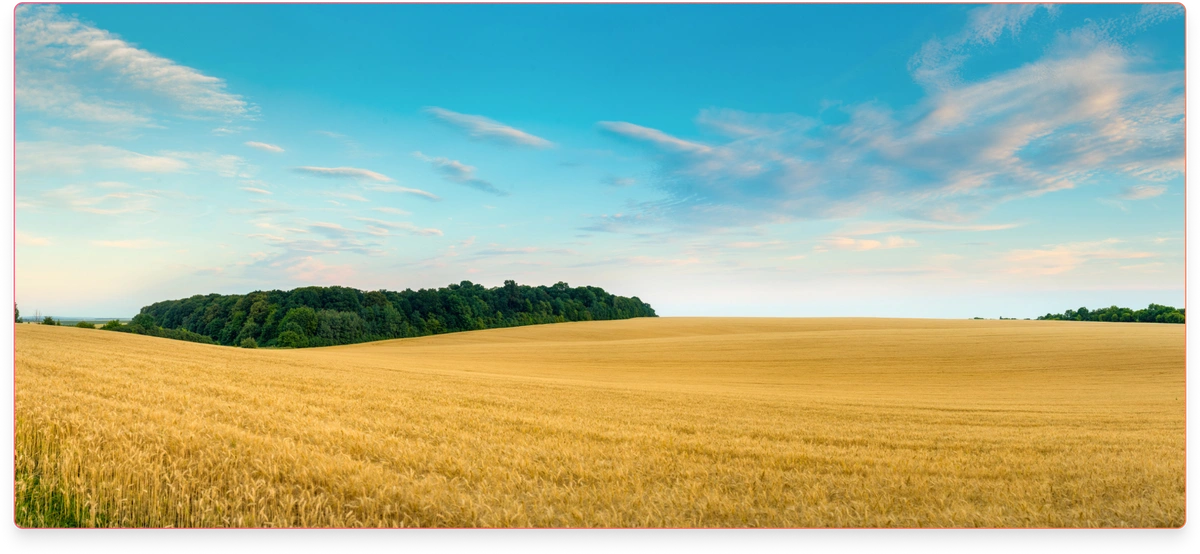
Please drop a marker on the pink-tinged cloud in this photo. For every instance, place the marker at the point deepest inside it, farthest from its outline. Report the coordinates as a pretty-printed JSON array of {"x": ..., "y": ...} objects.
[
  {"x": 1061, "y": 258},
  {"x": 846, "y": 243},
  {"x": 1142, "y": 192},
  {"x": 312, "y": 270}
]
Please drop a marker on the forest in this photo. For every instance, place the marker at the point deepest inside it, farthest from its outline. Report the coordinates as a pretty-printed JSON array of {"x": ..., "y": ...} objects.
[
  {"x": 327, "y": 316},
  {"x": 1154, "y": 313}
]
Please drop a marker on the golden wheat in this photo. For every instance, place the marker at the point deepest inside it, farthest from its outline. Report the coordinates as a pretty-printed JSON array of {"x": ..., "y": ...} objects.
[{"x": 654, "y": 422}]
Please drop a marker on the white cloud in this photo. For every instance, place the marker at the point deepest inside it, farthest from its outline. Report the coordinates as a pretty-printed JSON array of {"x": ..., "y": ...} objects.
[
  {"x": 405, "y": 190},
  {"x": 58, "y": 159},
  {"x": 64, "y": 100},
  {"x": 264, "y": 146},
  {"x": 77, "y": 198},
  {"x": 655, "y": 137},
  {"x": 481, "y": 127},
  {"x": 256, "y": 190},
  {"x": 347, "y": 196},
  {"x": 404, "y": 226},
  {"x": 461, "y": 173},
  {"x": 1142, "y": 192},
  {"x": 936, "y": 64},
  {"x": 46, "y": 37},
  {"x": 224, "y": 165},
  {"x": 1086, "y": 110},
  {"x": 345, "y": 172}
]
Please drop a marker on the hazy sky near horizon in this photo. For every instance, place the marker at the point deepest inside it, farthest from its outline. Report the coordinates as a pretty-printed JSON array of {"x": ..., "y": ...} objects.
[{"x": 782, "y": 160}]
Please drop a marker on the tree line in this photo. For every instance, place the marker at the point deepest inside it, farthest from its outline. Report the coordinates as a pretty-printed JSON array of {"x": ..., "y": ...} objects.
[
  {"x": 1154, "y": 313},
  {"x": 327, "y": 316}
]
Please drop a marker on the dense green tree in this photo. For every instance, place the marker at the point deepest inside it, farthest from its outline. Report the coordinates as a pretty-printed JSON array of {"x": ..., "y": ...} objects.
[
  {"x": 86, "y": 325},
  {"x": 320, "y": 316},
  {"x": 1154, "y": 313},
  {"x": 17, "y": 317}
]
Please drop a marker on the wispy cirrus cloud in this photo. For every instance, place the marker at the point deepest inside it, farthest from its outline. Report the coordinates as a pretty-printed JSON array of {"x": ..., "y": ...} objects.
[
  {"x": 402, "y": 226},
  {"x": 460, "y": 173},
  {"x": 53, "y": 96},
  {"x": 480, "y": 127},
  {"x": 224, "y": 165},
  {"x": 1087, "y": 108},
  {"x": 79, "y": 199},
  {"x": 406, "y": 190},
  {"x": 54, "y": 158},
  {"x": 49, "y": 40},
  {"x": 345, "y": 173},
  {"x": 936, "y": 64},
  {"x": 264, "y": 147},
  {"x": 256, "y": 190},
  {"x": 1142, "y": 192},
  {"x": 615, "y": 181}
]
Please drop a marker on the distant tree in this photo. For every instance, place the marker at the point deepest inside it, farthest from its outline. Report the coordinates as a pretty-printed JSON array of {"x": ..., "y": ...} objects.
[
  {"x": 49, "y": 321},
  {"x": 145, "y": 320},
  {"x": 248, "y": 342},
  {"x": 292, "y": 339},
  {"x": 111, "y": 325},
  {"x": 1154, "y": 313},
  {"x": 86, "y": 325},
  {"x": 322, "y": 316},
  {"x": 18, "y": 313}
]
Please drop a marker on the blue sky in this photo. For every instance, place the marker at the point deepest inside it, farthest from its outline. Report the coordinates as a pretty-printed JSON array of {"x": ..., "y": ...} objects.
[{"x": 781, "y": 160}]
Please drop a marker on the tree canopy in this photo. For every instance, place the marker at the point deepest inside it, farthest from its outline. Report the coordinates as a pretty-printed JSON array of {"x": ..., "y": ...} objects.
[
  {"x": 327, "y": 316},
  {"x": 1154, "y": 313}
]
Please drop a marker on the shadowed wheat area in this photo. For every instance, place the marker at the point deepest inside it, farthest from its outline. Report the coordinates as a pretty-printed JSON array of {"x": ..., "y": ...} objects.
[{"x": 668, "y": 422}]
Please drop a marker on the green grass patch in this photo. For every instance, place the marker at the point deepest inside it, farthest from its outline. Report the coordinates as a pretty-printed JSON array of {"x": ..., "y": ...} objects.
[{"x": 39, "y": 505}]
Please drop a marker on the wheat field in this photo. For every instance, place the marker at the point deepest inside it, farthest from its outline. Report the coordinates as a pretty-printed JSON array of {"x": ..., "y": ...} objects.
[{"x": 667, "y": 422}]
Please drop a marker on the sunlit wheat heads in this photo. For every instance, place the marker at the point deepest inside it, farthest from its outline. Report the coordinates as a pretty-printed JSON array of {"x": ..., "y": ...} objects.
[{"x": 669, "y": 422}]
